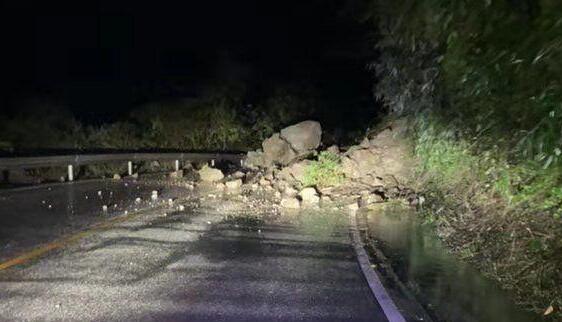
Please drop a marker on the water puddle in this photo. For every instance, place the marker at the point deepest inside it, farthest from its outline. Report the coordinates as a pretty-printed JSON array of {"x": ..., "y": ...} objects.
[{"x": 449, "y": 289}]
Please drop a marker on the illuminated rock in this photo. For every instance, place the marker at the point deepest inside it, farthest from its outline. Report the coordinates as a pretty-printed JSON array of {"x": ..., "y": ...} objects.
[
  {"x": 277, "y": 151},
  {"x": 303, "y": 137},
  {"x": 290, "y": 203},
  {"x": 234, "y": 184},
  {"x": 208, "y": 174},
  {"x": 309, "y": 196}
]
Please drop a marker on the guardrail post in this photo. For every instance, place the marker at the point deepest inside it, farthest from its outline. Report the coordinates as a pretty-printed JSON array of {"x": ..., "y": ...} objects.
[
  {"x": 212, "y": 162},
  {"x": 177, "y": 164},
  {"x": 70, "y": 173},
  {"x": 130, "y": 167}
]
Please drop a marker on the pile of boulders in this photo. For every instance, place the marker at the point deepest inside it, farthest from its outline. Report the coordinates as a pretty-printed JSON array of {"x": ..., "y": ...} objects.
[
  {"x": 381, "y": 160},
  {"x": 375, "y": 170}
]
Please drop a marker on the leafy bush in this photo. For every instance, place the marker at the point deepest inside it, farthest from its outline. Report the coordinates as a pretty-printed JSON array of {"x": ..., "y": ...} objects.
[
  {"x": 118, "y": 135},
  {"x": 324, "y": 172},
  {"x": 208, "y": 123}
]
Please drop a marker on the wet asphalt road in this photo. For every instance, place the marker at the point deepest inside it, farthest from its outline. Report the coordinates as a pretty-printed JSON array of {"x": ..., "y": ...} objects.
[
  {"x": 196, "y": 265},
  {"x": 33, "y": 215}
]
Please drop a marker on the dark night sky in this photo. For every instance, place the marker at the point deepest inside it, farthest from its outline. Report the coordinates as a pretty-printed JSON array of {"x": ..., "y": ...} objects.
[{"x": 106, "y": 56}]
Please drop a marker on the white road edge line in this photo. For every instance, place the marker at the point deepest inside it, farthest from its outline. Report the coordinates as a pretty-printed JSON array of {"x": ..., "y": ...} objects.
[{"x": 381, "y": 295}]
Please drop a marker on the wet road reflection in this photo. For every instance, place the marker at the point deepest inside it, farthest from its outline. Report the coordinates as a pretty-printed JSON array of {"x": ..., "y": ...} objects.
[
  {"x": 451, "y": 289},
  {"x": 33, "y": 215}
]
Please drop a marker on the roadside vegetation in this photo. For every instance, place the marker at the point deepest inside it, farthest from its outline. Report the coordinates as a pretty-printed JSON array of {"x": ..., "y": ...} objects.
[
  {"x": 217, "y": 120},
  {"x": 481, "y": 84},
  {"x": 326, "y": 171}
]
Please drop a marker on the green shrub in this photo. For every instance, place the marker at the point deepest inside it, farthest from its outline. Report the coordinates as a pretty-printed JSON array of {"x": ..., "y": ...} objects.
[
  {"x": 450, "y": 162},
  {"x": 118, "y": 135},
  {"x": 486, "y": 206},
  {"x": 446, "y": 160},
  {"x": 324, "y": 172},
  {"x": 210, "y": 122}
]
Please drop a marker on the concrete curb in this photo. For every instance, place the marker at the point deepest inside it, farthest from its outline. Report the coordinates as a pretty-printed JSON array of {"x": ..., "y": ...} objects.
[{"x": 381, "y": 295}]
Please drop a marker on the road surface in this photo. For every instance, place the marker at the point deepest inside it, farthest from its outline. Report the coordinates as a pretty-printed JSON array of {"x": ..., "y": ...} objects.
[{"x": 205, "y": 263}]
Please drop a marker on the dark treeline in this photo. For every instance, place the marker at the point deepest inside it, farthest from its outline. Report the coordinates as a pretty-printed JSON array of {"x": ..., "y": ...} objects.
[{"x": 222, "y": 117}]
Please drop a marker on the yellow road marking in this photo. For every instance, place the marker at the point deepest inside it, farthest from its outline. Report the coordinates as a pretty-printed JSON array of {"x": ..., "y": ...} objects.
[{"x": 60, "y": 243}]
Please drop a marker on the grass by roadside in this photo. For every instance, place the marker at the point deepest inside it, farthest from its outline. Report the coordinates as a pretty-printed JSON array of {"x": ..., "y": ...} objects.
[
  {"x": 501, "y": 214},
  {"x": 326, "y": 171}
]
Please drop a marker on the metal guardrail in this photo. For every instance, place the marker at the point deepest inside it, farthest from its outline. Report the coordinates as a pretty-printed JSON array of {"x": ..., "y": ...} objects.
[
  {"x": 70, "y": 161},
  {"x": 79, "y": 159}
]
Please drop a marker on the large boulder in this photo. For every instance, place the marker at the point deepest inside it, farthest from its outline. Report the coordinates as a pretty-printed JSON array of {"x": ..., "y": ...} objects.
[
  {"x": 208, "y": 174},
  {"x": 349, "y": 168},
  {"x": 395, "y": 162},
  {"x": 303, "y": 137},
  {"x": 290, "y": 203},
  {"x": 295, "y": 172},
  {"x": 277, "y": 151},
  {"x": 309, "y": 196},
  {"x": 393, "y": 135},
  {"x": 384, "y": 159},
  {"x": 360, "y": 162},
  {"x": 255, "y": 159},
  {"x": 290, "y": 192},
  {"x": 294, "y": 142}
]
